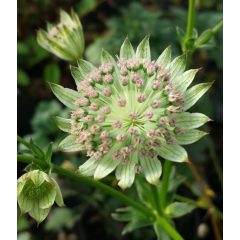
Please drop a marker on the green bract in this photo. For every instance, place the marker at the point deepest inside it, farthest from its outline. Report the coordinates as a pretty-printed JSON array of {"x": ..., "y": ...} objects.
[
  {"x": 36, "y": 193},
  {"x": 130, "y": 112},
  {"x": 65, "y": 39}
]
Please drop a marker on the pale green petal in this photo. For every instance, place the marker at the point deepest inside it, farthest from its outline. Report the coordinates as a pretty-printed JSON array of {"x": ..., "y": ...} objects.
[
  {"x": 48, "y": 195},
  {"x": 69, "y": 144},
  {"x": 189, "y": 136},
  {"x": 172, "y": 152},
  {"x": 182, "y": 82},
  {"x": 188, "y": 120},
  {"x": 63, "y": 124},
  {"x": 59, "y": 198},
  {"x": 85, "y": 67},
  {"x": 177, "y": 66},
  {"x": 143, "y": 49},
  {"x": 37, "y": 177},
  {"x": 127, "y": 51},
  {"x": 193, "y": 94},
  {"x": 65, "y": 95},
  {"x": 165, "y": 58},
  {"x": 152, "y": 169},
  {"x": 107, "y": 164},
  {"x": 76, "y": 74},
  {"x": 106, "y": 57},
  {"x": 37, "y": 213},
  {"x": 88, "y": 168},
  {"x": 125, "y": 172},
  {"x": 25, "y": 197}
]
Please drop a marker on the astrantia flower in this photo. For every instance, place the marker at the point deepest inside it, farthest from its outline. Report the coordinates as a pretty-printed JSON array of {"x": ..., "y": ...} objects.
[
  {"x": 36, "y": 193},
  {"x": 65, "y": 39},
  {"x": 130, "y": 112}
]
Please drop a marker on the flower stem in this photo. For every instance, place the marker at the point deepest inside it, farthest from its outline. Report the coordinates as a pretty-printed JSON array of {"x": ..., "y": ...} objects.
[
  {"x": 165, "y": 181},
  {"x": 105, "y": 188}
]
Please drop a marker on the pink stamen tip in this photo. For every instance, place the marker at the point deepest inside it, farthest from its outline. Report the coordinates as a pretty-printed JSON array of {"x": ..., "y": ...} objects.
[
  {"x": 141, "y": 98},
  {"x": 100, "y": 118},
  {"x": 155, "y": 103},
  {"x": 93, "y": 107},
  {"x": 117, "y": 124},
  {"x": 88, "y": 118},
  {"x": 133, "y": 115},
  {"x": 156, "y": 84},
  {"x": 108, "y": 78},
  {"x": 133, "y": 131},
  {"x": 104, "y": 135},
  {"x": 120, "y": 137},
  {"x": 149, "y": 114},
  {"x": 95, "y": 129},
  {"x": 107, "y": 91},
  {"x": 82, "y": 102},
  {"x": 105, "y": 110},
  {"x": 117, "y": 155},
  {"x": 92, "y": 93},
  {"x": 140, "y": 83},
  {"x": 122, "y": 102},
  {"x": 124, "y": 80},
  {"x": 135, "y": 77},
  {"x": 97, "y": 155}
]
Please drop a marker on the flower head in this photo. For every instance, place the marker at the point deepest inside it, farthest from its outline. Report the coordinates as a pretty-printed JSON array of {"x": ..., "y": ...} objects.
[
  {"x": 36, "y": 193},
  {"x": 140, "y": 110},
  {"x": 64, "y": 39}
]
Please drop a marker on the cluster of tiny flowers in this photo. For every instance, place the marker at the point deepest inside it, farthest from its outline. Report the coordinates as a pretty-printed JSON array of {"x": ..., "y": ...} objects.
[
  {"x": 131, "y": 111},
  {"x": 122, "y": 111}
]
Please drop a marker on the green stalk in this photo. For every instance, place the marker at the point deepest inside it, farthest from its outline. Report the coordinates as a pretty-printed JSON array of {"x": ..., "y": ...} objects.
[
  {"x": 89, "y": 181},
  {"x": 165, "y": 181}
]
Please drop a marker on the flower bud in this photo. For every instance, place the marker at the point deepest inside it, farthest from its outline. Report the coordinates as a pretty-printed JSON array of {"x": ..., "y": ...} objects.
[
  {"x": 64, "y": 39},
  {"x": 36, "y": 193}
]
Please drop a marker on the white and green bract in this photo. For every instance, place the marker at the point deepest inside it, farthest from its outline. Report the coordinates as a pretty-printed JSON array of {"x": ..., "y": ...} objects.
[
  {"x": 36, "y": 193},
  {"x": 130, "y": 112},
  {"x": 64, "y": 39}
]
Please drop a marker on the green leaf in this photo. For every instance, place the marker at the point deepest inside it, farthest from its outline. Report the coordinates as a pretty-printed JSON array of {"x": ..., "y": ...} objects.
[
  {"x": 204, "y": 38},
  {"x": 160, "y": 232},
  {"x": 36, "y": 150},
  {"x": 88, "y": 168},
  {"x": 165, "y": 58},
  {"x": 63, "y": 124},
  {"x": 178, "y": 209},
  {"x": 51, "y": 73},
  {"x": 22, "y": 78},
  {"x": 106, "y": 57},
  {"x": 188, "y": 120},
  {"x": 192, "y": 95},
  {"x": 177, "y": 66},
  {"x": 172, "y": 152},
  {"x": 48, "y": 155},
  {"x": 182, "y": 82},
  {"x": 76, "y": 74},
  {"x": 152, "y": 169},
  {"x": 69, "y": 144},
  {"x": 125, "y": 173},
  {"x": 65, "y": 95},
  {"x": 189, "y": 136},
  {"x": 127, "y": 51},
  {"x": 143, "y": 49}
]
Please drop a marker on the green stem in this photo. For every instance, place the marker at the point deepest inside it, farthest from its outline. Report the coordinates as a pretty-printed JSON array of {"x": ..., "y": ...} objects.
[
  {"x": 89, "y": 181},
  {"x": 218, "y": 27},
  {"x": 165, "y": 181},
  {"x": 163, "y": 223},
  {"x": 190, "y": 19}
]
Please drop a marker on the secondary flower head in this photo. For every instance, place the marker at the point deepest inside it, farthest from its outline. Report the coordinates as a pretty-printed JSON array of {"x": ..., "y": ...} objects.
[
  {"x": 138, "y": 113},
  {"x": 36, "y": 193},
  {"x": 64, "y": 39}
]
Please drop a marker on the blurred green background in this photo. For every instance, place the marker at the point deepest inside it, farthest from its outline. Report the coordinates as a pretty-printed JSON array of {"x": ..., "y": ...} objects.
[{"x": 106, "y": 23}]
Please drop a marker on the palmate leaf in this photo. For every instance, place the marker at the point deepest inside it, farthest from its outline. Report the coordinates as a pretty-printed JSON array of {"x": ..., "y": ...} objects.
[{"x": 178, "y": 209}]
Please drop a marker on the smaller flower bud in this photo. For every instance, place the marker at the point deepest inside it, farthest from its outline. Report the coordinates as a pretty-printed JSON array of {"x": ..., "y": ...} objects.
[
  {"x": 122, "y": 102},
  {"x": 106, "y": 110},
  {"x": 141, "y": 98},
  {"x": 100, "y": 118},
  {"x": 107, "y": 91},
  {"x": 120, "y": 137},
  {"x": 93, "y": 106},
  {"x": 124, "y": 80},
  {"x": 117, "y": 124},
  {"x": 82, "y": 102},
  {"x": 149, "y": 114},
  {"x": 108, "y": 78},
  {"x": 155, "y": 103},
  {"x": 36, "y": 193},
  {"x": 133, "y": 115}
]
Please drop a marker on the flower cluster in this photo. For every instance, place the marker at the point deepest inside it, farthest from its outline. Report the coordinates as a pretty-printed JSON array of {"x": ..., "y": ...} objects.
[
  {"x": 65, "y": 39},
  {"x": 36, "y": 193},
  {"x": 129, "y": 113}
]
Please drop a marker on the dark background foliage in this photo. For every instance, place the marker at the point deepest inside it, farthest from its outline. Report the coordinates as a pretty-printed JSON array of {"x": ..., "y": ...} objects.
[{"x": 106, "y": 23}]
